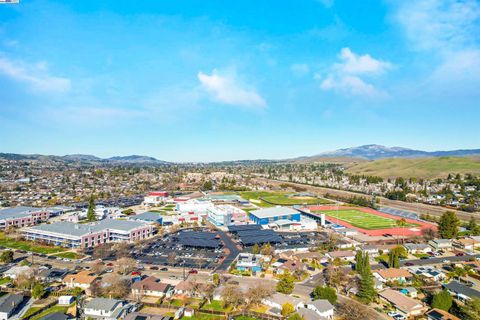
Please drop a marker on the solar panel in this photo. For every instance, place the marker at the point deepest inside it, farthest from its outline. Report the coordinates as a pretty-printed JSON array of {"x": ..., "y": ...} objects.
[{"x": 236, "y": 229}]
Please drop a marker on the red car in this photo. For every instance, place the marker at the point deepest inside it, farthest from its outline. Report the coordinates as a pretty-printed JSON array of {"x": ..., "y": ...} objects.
[
  {"x": 136, "y": 273},
  {"x": 193, "y": 271}
]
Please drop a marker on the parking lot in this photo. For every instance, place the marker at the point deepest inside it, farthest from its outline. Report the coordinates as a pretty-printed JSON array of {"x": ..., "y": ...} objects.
[{"x": 172, "y": 250}]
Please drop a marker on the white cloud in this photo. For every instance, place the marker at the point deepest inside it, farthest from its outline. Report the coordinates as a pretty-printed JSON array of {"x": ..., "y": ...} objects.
[
  {"x": 346, "y": 76},
  {"x": 361, "y": 64},
  {"x": 447, "y": 33},
  {"x": 300, "y": 69},
  {"x": 226, "y": 89},
  {"x": 35, "y": 75},
  {"x": 440, "y": 24}
]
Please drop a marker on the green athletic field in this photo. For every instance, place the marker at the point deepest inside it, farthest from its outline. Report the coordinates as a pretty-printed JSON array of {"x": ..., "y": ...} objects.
[{"x": 362, "y": 219}]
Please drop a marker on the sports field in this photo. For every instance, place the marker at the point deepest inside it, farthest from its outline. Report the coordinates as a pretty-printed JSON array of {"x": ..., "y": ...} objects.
[{"x": 361, "y": 219}]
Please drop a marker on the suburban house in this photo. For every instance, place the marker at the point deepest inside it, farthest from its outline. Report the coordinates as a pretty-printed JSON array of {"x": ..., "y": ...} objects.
[
  {"x": 441, "y": 244},
  {"x": 9, "y": 304},
  {"x": 427, "y": 273},
  {"x": 104, "y": 309},
  {"x": 277, "y": 300},
  {"x": 466, "y": 244},
  {"x": 150, "y": 286},
  {"x": 439, "y": 314},
  {"x": 16, "y": 271},
  {"x": 403, "y": 304},
  {"x": 83, "y": 279},
  {"x": 51, "y": 275},
  {"x": 347, "y": 255},
  {"x": 417, "y": 248},
  {"x": 74, "y": 235},
  {"x": 290, "y": 266},
  {"x": 461, "y": 291},
  {"x": 392, "y": 274},
  {"x": 249, "y": 262},
  {"x": 21, "y": 216},
  {"x": 323, "y": 308}
]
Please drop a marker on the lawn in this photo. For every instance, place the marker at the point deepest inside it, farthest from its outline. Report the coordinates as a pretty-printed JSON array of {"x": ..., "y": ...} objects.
[
  {"x": 203, "y": 316},
  {"x": 27, "y": 245},
  {"x": 5, "y": 280},
  {"x": 55, "y": 308},
  {"x": 362, "y": 219},
  {"x": 288, "y": 200},
  {"x": 68, "y": 255},
  {"x": 215, "y": 305}
]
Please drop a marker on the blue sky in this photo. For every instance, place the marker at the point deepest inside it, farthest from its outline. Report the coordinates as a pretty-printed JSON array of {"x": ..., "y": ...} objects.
[{"x": 221, "y": 80}]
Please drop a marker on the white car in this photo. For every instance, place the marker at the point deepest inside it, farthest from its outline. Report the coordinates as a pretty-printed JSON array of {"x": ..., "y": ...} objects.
[{"x": 392, "y": 314}]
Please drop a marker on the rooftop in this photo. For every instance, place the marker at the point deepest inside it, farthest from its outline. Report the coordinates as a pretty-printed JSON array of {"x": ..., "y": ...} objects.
[
  {"x": 18, "y": 212},
  {"x": 393, "y": 273},
  {"x": 10, "y": 302},
  {"x": 103, "y": 304},
  {"x": 400, "y": 301},
  {"x": 273, "y": 212}
]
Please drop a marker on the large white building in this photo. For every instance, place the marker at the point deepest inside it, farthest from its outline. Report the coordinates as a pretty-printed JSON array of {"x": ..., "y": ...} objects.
[
  {"x": 194, "y": 205},
  {"x": 75, "y": 235},
  {"x": 226, "y": 215},
  {"x": 22, "y": 216}
]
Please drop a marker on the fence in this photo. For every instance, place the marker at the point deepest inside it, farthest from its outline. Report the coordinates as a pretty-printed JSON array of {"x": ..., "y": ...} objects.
[{"x": 51, "y": 304}]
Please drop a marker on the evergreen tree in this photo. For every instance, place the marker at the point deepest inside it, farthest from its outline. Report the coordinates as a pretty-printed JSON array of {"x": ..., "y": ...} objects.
[
  {"x": 91, "y": 209},
  {"x": 286, "y": 283},
  {"x": 393, "y": 259},
  {"x": 473, "y": 227},
  {"x": 366, "y": 291},
  {"x": 442, "y": 300},
  {"x": 471, "y": 309},
  {"x": 359, "y": 261},
  {"x": 448, "y": 225},
  {"x": 256, "y": 249}
]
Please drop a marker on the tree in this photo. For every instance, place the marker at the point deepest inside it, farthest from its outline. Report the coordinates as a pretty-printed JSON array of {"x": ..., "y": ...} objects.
[
  {"x": 77, "y": 291},
  {"x": 91, "y": 209},
  {"x": 448, "y": 225},
  {"x": 359, "y": 261},
  {"x": 442, "y": 300},
  {"x": 366, "y": 292},
  {"x": 393, "y": 259},
  {"x": 267, "y": 249},
  {"x": 216, "y": 279},
  {"x": 126, "y": 265},
  {"x": 287, "y": 309},
  {"x": 473, "y": 227},
  {"x": 295, "y": 316},
  {"x": 286, "y": 283},
  {"x": 232, "y": 296},
  {"x": 38, "y": 291},
  {"x": 328, "y": 293},
  {"x": 7, "y": 256},
  {"x": 471, "y": 309},
  {"x": 354, "y": 310},
  {"x": 256, "y": 249},
  {"x": 256, "y": 294}
]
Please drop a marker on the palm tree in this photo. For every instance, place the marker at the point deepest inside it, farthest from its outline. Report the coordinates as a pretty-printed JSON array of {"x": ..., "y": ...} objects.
[{"x": 402, "y": 223}]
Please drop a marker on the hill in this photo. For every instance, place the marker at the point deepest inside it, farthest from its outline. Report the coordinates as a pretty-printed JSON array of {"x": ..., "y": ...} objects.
[
  {"x": 419, "y": 167},
  {"x": 375, "y": 151}
]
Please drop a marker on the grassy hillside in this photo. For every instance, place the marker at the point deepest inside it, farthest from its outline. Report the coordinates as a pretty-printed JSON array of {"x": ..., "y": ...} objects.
[{"x": 419, "y": 167}]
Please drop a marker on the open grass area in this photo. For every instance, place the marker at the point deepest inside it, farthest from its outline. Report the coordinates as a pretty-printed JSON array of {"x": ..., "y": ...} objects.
[
  {"x": 68, "y": 255},
  {"x": 215, "y": 305},
  {"x": 362, "y": 219},
  {"x": 289, "y": 200},
  {"x": 55, "y": 308},
  {"x": 419, "y": 167},
  {"x": 272, "y": 198},
  {"x": 203, "y": 316},
  {"x": 27, "y": 245}
]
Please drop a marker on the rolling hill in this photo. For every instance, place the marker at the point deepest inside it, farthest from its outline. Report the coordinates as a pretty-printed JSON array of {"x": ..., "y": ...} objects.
[{"x": 434, "y": 167}]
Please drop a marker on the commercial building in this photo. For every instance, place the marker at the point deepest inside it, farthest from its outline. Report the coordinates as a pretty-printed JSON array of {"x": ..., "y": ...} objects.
[
  {"x": 21, "y": 216},
  {"x": 194, "y": 206},
  {"x": 72, "y": 235},
  {"x": 226, "y": 215},
  {"x": 269, "y": 215},
  {"x": 156, "y": 197},
  {"x": 150, "y": 217}
]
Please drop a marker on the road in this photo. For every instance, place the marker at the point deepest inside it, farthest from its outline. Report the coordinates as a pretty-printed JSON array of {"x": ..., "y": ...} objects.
[
  {"x": 408, "y": 206},
  {"x": 232, "y": 249}
]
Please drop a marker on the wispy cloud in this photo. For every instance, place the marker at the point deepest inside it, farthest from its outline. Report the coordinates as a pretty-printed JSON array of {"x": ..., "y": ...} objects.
[
  {"x": 348, "y": 75},
  {"x": 35, "y": 75},
  {"x": 300, "y": 69},
  {"x": 448, "y": 33},
  {"x": 227, "y": 89}
]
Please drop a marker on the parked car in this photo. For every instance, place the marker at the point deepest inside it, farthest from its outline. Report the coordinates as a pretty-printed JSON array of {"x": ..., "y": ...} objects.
[
  {"x": 153, "y": 268},
  {"x": 193, "y": 271},
  {"x": 164, "y": 269}
]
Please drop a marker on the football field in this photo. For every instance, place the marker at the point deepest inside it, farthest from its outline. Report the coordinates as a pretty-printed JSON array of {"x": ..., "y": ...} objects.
[{"x": 362, "y": 219}]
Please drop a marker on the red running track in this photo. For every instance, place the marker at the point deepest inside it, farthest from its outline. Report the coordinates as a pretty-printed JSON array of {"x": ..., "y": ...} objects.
[{"x": 406, "y": 231}]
